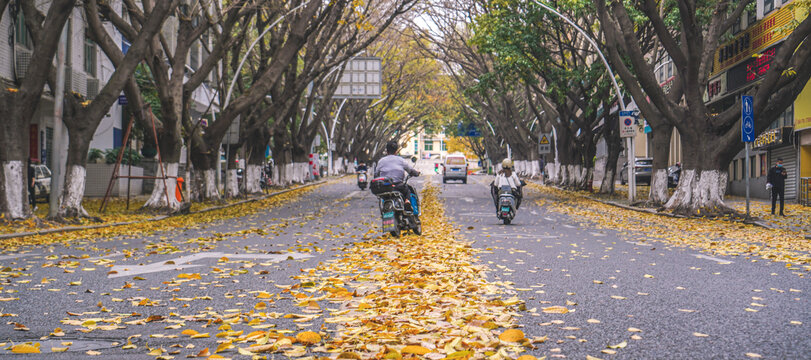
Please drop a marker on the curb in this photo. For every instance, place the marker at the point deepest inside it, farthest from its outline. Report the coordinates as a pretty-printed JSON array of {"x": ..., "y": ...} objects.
[
  {"x": 760, "y": 223},
  {"x": 161, "y": 217}
]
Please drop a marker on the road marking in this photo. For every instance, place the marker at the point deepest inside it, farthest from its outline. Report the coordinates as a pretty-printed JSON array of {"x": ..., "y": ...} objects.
[
  {"x": 351, "y": 195},
  {"x": 477, "y": 214},
  {"x": 15, "y": 256},
  {"x": 639, "y": 243},
  {"x": 549, "y": 219},
  {"x": 597, "y": 234},
  {"x": 533, "y": 212},
  {"x": 570, "y": 226},
  {"x": 719, "y": 261},
  {"x": 184, "y": 262},
  {"x": 467, "y": 199}
]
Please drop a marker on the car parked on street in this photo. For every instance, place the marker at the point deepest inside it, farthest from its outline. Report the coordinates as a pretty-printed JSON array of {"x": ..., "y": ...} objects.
[
  {"x": 42, "y": 182},
  {"x": 454, "y": 168},
  {"x": 642, "y": 170}
]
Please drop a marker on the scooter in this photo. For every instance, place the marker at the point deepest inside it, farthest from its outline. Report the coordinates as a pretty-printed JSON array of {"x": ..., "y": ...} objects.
[
  {"x": 396, "y": 213},
  {"x": 362, "y": 179},
  {"x": 506, "y": 204}
]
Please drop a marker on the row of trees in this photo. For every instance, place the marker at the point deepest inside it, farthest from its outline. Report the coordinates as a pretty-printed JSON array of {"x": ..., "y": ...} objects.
[
  {"x": 286, "y": 59},
  {"x": 515, "y": 62}
]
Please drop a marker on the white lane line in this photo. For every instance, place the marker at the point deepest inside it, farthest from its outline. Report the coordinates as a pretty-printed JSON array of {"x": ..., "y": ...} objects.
[
  {"x": 533, "y": 212},
  {"x": 570, "y": 226},
  {"x": 639, "y": 243},
  {"x": 15, "y": 256},
  {"x": 351, "y": 195},
  {"x": 549, "y": 219},
  {"x": 467, "y": 199},
  {"x": 719, "y": 261},
  {"x": 185, "y": 262}
]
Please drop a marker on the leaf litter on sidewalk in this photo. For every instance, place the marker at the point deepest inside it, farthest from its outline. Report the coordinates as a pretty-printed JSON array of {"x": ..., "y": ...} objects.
[{"x": 716, "y": 236}]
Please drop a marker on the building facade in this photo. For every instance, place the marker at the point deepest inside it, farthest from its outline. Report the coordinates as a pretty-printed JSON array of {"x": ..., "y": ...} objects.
[{"x": 739, "y": 64}]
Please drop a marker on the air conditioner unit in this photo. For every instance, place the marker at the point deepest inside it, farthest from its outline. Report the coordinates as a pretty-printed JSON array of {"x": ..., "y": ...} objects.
[
  {"x": 92, "y": 88},
  {"x": 79, "y": 80},
  {"x": 22, "y": 62}
]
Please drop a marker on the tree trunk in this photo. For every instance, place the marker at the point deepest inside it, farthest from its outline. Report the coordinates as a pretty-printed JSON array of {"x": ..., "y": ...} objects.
[
  {"x": 73, "y": 192},
  {"x": 170, "y": 146},
  {"x": 661, "y": 153},
  {"x": 703, "y": 179},
  {"x": 610, "y": 178},
  {"x": 13, "y": 173}
]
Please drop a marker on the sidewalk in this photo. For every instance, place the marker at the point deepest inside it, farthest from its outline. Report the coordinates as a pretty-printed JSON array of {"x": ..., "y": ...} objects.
[
  {"x": 797, "y": 219},
  {"x": 118, "y": 216}
]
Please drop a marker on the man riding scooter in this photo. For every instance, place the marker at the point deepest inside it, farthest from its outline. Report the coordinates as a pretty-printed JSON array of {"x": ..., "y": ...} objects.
[
  {"x": 394, "y": 167},
  {"x": 507, "y": 177}
]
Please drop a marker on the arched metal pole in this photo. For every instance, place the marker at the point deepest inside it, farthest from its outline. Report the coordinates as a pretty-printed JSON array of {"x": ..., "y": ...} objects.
[{"x": 631, "y": 151}]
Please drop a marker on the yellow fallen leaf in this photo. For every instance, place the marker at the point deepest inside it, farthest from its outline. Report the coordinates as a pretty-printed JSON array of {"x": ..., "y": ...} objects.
[
  {"x": 58, "y": 349},
  {"x": 698, "y": 334},
  {"x": 522, "y": 357},
  {"x": 593, "y": 321},
  {"x": 589, "y": 357},
  {"x": 633, "y": 329},
  {"x": 753, "y": 355},
  {"x": 308, "y": 337},
  {"x": 420, "y": 350},
  {"x": 555, "y": 310},
  {"x": 25, "y": 349},
  {"x": 92, "y": 352},
  {"x": 618, "y": 346},
  {"x": 349, "y": 355}
]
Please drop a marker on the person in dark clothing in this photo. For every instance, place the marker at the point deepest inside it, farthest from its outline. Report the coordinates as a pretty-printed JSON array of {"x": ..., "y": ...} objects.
[
  {"x": 777, "y": 178},
  {"x": 32, "y": 180}
]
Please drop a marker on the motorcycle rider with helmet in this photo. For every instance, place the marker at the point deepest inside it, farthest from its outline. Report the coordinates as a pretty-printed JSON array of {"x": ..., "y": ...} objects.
[{"x": 507, "y": 177}]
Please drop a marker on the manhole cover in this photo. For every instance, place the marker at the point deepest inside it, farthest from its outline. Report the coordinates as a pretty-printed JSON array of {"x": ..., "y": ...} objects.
[{"x": 72, "y": 345}]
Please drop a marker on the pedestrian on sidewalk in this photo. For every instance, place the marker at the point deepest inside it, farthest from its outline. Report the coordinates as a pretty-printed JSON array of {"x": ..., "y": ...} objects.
[
  {"x": 777, "y": 178},
  {"x": 32, "y": 183}
]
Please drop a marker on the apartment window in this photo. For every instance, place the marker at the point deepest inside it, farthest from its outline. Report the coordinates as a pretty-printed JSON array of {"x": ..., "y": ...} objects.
[
  {"x": 429, "y": 145},
  {"x": 21, "y": 35},
  {"x": 734, "y": 169},
  {"x": 752, "y": 170},
  {"x": 768, "y": 6},
  {"x": 194, "y": 56},
  {"x": 89, "y": 55},
  {"x": 736, "y": 27},
  {"x": 669, "y": 70},
  {"x": 751, "y": 18},
  {"x": 443, "y": 146},
  {"x": 788, "y": 116},
  {"x": 416, "y": 146},
  {"x": 764, "y": 166}
]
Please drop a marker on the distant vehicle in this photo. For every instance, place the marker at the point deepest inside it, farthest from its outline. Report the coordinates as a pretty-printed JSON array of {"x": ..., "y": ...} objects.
[
  {"x": 42, "y": 182},
  {"x": 455, "y": 168},
  {"x": 673, "y": 175},
  {"x": 642, "y": 171}
]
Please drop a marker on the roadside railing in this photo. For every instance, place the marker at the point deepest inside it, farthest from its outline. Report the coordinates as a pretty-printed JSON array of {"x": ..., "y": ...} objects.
[{"x": 805, "y": 191}]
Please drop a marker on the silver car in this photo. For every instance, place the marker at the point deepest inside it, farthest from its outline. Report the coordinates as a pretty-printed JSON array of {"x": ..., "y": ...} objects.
[{"x": 42, "y": 182}]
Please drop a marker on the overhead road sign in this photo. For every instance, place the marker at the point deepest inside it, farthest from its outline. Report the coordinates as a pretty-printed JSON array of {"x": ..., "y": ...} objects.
[{"x": 362, "y": 79}]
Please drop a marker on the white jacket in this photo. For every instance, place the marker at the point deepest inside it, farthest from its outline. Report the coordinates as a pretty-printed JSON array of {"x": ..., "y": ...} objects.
[{"x": 513, "y": 181}]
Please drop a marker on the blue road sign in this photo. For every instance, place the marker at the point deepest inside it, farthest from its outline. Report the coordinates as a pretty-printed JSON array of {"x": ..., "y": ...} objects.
[{"x": 747, "y": 119}]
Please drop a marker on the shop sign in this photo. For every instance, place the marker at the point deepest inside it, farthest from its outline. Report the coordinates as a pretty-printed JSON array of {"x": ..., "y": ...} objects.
[
  {"x": 772, "y": 138},
  {"x": 755, "y": 39},
  {"x": 716, "y": 88},
  {"x": 751, "y": 70},
  {"x": 802, "y": 109}
]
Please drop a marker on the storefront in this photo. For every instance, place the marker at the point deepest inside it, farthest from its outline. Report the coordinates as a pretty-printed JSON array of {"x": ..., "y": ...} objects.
[
  {"x": 802, "y": 127},
  {"x": 779, "y": 145}
]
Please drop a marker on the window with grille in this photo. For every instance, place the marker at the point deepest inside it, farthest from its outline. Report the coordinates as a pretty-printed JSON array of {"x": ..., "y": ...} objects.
[
  {"x": 89, "y": 55},
  {"x": 21, "y": 35},
  {"x": 429, "y": 146}
]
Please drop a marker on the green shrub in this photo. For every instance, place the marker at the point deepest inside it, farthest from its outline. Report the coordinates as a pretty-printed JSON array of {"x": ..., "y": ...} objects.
[
  {"x": 95, "y": 155},
  {"x": 131, "y": 157}
]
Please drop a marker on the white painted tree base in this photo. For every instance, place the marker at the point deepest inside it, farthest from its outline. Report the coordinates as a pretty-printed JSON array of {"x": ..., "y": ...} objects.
[
  {"x": 232, "y": 184},
  {"x": 607, "y": 185},
  {"x": 73, "y": 193},
  {"x": 158, "y": 199},
  {"x": 658, "y": 187},
  {"x": 700, "y": 193},
  {"x": 253, "y": 179},
  {"x": 15, "y": 192}
]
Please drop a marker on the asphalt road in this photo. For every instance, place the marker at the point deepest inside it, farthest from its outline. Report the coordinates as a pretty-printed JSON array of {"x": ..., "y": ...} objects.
[{"x": 667, "y": 294}]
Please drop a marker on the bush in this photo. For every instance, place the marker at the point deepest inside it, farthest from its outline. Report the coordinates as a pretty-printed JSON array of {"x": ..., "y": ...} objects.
[
  {"x": 131, "y": 157},
  {"x": 95, "y": 156},
  {"x": 149, "y": 151}
]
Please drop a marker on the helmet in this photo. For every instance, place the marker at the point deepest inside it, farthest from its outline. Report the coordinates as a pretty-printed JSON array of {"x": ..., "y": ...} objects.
[{"x": 507, "y": 164}]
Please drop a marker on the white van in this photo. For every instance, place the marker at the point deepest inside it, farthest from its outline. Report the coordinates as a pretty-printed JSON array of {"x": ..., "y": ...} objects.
[{"x": 455, "y": 168}]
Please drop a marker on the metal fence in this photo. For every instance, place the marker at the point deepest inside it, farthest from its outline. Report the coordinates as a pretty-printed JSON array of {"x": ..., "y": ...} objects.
[{"x": 805, "y": 191}]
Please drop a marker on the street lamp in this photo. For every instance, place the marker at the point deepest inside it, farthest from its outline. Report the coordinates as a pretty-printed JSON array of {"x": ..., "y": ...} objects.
[{"x": 632, "y": 162}]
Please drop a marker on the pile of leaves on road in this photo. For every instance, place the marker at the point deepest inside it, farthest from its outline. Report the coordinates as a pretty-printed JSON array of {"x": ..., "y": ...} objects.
[{"x": 717, "y": 236}]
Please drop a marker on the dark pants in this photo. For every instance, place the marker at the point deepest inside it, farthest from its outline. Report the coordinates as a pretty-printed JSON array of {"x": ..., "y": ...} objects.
[
  {"x": 776, "y": 191},
  {"x": 32, "y": 196},
  {"x": 407, "y": 190}
]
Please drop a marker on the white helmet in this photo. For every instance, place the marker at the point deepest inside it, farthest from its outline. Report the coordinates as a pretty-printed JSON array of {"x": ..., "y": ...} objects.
[{"x": 506, "y": 164}]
